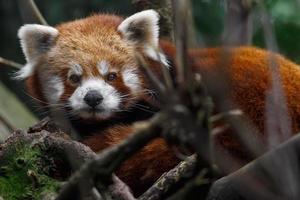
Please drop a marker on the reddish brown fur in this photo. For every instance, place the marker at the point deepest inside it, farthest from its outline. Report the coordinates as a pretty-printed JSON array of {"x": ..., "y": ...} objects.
[
  {"x": 86, "y": 41},
  {"x": 249, "y": 80},
  {"x": 140, "y": 171},
  {"x": 99, "y": 42},
  {"x": 96, "y": 37}
]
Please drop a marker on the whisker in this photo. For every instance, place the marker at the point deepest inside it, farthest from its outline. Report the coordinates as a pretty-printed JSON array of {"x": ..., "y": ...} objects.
[
  {"x": 143, "y": 106},
  {"x": 39, "y": 100},
  {"x": 143, "y": 109}
]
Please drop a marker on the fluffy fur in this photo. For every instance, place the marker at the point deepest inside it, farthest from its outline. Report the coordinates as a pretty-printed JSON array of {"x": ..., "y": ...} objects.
[
  {"x": 35, "y": 40},
  {"x": 142, "y": 30},
  {"x": 145, "y": 167},
  {"x": 100, "y": 48}
]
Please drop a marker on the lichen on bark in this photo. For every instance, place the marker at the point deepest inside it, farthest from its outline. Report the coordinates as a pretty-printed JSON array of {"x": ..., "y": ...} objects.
[{"x": 22, "y": 174}]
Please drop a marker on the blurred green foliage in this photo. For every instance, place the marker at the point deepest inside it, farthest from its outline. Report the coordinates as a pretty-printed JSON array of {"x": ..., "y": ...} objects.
[
  {"x": 286, "y": 24},
  {"x": 210, "y": 15},
  {"x": 209, "y": 22}
]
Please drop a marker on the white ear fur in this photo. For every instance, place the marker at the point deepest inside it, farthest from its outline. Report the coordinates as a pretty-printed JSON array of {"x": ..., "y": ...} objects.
[
  {"x": 35, "y": 41},
  {"x": 142, "y": 30}
]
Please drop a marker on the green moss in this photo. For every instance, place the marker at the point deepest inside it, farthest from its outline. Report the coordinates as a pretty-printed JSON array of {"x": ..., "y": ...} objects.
[{"x": 22, "y": 175}]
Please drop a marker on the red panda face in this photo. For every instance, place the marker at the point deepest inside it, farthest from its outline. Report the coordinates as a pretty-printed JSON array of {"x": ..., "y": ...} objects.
[
  {"x": 103, "y": 93},
  {"x": 89, "y": 66}
]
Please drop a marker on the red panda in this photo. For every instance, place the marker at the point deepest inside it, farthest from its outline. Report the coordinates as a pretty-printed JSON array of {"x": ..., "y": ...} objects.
[{"x": 88, "y": 67}]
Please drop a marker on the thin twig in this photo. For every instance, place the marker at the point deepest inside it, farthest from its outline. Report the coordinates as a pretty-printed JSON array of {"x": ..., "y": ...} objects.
[
  {"x": 238, "y": 22},
  {"x": 30, "y": 12},
  {"x": 37, "y": 13},
  {"x": 120, "y": 190},
  {"x": 180, "y": 10},
  {"x": 10, "y": 63},
  {"x": 220, "y": 116},
  {"x": 278, "y": 122}
]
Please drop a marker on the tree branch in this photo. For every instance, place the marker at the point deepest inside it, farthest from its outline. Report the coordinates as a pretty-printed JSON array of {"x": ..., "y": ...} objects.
[
  {"x": 238, "y": 22},
  {"x": 181, "y": 24},
  {"x": 30, "y": 12},
  {"x": 103, "y": 165},
  {"x": 10, "y": 63},
  {"x": 169, "y": 179}
]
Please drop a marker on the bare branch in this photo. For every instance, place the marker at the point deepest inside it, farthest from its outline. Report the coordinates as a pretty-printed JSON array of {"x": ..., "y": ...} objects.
[
  {"x": 120, "y": 190},
  {"x": 30, "y": 12},
  {"x": 57, "y": 145},
  {"x": 105, "y": 163},
  {"x": 221, "y": 116},
  {"x": 264, "y": 177},
  {"x": 10, "y": 63},
  {"x": 238, "y": 22},
  {"x": 169, "y": 179},
  {"x": 181, "y": 27},
  {"x": 278, "y": 122}
]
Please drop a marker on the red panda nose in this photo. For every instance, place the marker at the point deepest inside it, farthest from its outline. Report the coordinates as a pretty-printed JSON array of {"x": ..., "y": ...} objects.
[{"x": 93, "y": 98}]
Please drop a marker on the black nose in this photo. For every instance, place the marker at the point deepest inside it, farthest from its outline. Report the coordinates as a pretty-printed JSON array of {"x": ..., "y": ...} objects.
[{"x": 93, "y": 98}]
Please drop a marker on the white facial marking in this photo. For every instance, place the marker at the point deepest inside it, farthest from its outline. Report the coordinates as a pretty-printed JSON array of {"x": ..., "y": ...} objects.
[
  {"x": 103, "y": 67},
  {"x": 131, "y": 79},
  {"x": 110, "y": 103},
  {"x": 53, "y": 88},
  {"x": 75, "y": 69}
]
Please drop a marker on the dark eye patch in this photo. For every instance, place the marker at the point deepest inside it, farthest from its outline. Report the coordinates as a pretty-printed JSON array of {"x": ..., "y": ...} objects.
[
  {"x": 75, "y": 78},
  {"x": 111, "y": 76}
]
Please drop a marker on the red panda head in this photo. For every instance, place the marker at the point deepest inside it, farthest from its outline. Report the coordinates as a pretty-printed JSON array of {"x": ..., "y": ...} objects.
[{"x": 89, "y": 65}]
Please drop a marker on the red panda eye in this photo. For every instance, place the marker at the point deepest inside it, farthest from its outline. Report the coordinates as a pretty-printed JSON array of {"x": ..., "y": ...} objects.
[
  {"x": 74, "y": 78},
  {"x": 111, "y": 76}
]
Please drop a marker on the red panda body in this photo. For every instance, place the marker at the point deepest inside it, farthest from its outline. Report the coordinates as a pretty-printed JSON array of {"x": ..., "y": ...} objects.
[
  {"x": 88, "y": 66},
  {"x": 250, "y": 78}
]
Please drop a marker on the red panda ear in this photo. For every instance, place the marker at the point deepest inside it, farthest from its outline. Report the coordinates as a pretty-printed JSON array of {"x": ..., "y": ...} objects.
[
  {"x": 35, "y": 41},
  {"x": 142, "y": 30}
]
